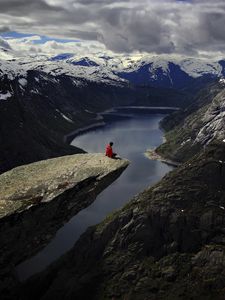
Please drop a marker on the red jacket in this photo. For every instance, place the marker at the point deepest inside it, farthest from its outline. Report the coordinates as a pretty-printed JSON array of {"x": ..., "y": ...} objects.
[{"x": 109, "y": 151}]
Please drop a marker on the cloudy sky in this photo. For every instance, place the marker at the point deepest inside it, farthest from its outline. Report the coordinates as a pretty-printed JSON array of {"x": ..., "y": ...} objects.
[{"x": 193, "y": 28}]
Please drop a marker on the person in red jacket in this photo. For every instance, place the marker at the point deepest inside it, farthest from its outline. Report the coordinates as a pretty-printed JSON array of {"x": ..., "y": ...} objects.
[{"x": 109, "y": 151}]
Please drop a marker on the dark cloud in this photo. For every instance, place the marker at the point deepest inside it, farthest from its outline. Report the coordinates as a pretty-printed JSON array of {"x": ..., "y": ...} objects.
[
  {"x": 85, "y": 35},
  {"x": 159, "y": 26},
  {"x": 4, "y": 29},
  {"x": 90, "y": 2},
  {"x": 24, "y": 7}
]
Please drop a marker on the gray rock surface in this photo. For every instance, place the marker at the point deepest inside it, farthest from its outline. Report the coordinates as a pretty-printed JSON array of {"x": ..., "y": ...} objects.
[
  {"x": 195, "y": 127},
  {"x": 213, "y": 121},
  {"x": 41, "y": 182},
  {"x": 37, "y": 199}
]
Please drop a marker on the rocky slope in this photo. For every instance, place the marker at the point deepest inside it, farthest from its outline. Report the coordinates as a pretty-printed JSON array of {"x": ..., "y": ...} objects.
[
  {"x": 167, "y": 243},
  {"x": 193, "y": 128},
  {"x": 37, "y": 199}
]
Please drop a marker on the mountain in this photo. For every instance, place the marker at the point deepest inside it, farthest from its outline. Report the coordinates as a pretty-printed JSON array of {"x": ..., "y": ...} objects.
[
  {"x": 192, "y": 129},
  {"x": 62, "y": 56},
  {"x": 176, "y": 74},
  {"x": 85, "y": 62},
  {"x": 173, "y": 76},
  {"x": 155, "y": 71}
]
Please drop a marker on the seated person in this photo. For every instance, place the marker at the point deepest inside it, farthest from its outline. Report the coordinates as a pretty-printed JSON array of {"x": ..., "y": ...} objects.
[{"x": 109, "y": 151}]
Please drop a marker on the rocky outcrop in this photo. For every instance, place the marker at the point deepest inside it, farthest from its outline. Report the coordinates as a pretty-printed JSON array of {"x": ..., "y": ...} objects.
[
  {"x": 167, "y": 243},
  {"x": 194, "y": 128},
  {"x": 37, "y": 199}
]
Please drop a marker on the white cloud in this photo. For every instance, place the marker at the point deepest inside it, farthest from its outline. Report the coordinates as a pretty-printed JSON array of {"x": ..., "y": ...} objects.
[
  {"x": 27, "y": 45},
  {"x": 4, "y": 44},
  {"x": 162, "y": 26}
]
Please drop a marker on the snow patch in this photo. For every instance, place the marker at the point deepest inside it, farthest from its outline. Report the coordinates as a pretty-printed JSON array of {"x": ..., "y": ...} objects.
[
  {"x": 197, "y": 67},
  {"x": 185, "y": 142},
  {"x": 222, "y": 81},
  {"x": 23, "y": 82},
  {"x": 64, "y": 116},
  {"x": 35, "y": 91},
  {"x": 5, "y": 96}
]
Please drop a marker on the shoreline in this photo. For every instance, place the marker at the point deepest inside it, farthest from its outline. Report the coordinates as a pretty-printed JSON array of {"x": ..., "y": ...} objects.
[
  {"x": 148, "y": 107},
  {"x": 151, "y": 154},
  {"x": 68, "y": 138}
]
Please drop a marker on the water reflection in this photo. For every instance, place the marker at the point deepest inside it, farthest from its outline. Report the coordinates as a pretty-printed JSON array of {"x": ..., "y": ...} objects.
[{"x": 131, "y": 137}]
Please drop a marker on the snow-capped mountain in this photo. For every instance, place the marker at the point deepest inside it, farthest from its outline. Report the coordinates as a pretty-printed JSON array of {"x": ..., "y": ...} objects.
[
  {"x": 171, "y": 73},
  {"x": 153, "y": 71},
  {"x": 20, "y": 68},
  {"x": 156, "y": 71}
]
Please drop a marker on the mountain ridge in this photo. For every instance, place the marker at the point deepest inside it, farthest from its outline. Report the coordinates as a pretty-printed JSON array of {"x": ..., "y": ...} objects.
[{"x": 192, "y": 129}]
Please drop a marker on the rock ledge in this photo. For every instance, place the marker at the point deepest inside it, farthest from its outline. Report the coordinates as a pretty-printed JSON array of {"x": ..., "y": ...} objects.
[{"x": 29, "y": 185}]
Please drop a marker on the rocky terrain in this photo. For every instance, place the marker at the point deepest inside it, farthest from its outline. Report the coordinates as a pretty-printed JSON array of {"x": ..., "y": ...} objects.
[
  {"x": 37, "y": 199},
  {"x": 167, "y": 243},
  {"x": 190, "y": 130}
]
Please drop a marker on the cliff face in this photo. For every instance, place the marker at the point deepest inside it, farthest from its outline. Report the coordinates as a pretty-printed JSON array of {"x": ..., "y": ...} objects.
[
  {"x": 194, "y": 128},
  {"x": 167, "y": 243},
  {"x": 37, "y": 199}
]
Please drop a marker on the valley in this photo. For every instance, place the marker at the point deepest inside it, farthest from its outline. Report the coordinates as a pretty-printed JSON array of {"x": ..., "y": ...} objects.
[{"x": 149, "y": 238}]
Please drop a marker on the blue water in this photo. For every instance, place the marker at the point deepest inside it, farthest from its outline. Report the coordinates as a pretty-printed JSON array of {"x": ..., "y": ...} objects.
[{"x": 132, "y": 137}]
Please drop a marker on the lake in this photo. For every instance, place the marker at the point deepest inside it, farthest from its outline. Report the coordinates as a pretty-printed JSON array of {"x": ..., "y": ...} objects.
[{"x": 132, "y": 133}]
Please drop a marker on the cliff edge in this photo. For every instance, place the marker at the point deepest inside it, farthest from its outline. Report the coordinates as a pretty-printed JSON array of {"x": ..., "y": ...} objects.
[
  {"x": 37, "y": 199},
  {"x": 41, "y": 182}
]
